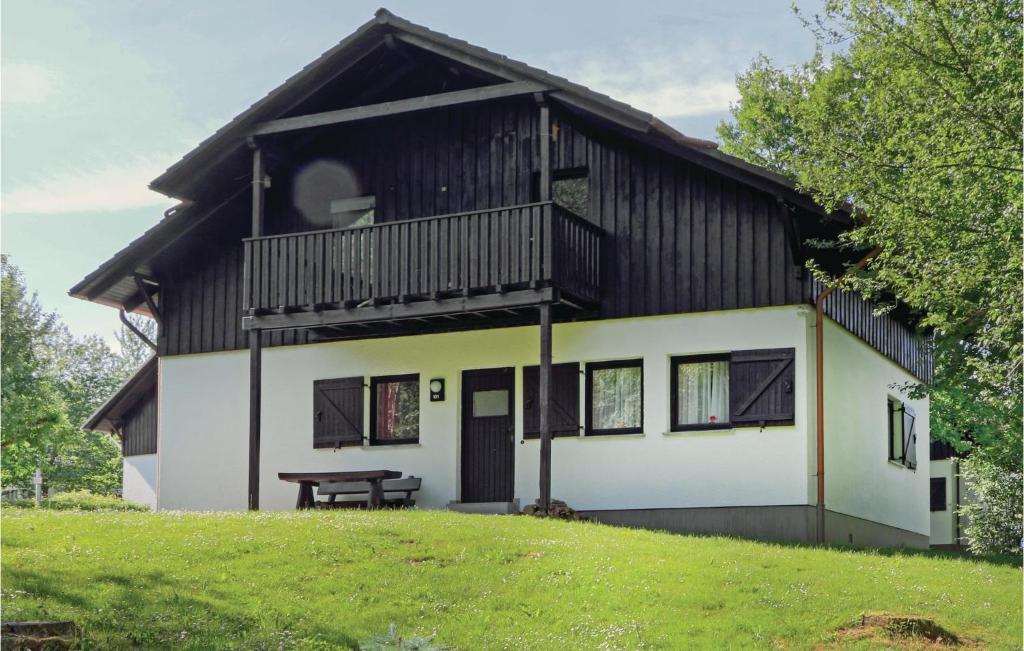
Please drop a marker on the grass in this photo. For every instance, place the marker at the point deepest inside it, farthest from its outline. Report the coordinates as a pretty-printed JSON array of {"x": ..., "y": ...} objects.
[{"x": 328, "y": 580}]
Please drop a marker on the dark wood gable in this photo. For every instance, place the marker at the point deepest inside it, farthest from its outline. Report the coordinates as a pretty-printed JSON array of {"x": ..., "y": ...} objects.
[
  {"x": 676, "y": 236},
  {"x": 138, "y": 428},
  {"x": 565, "y": 400},
  {"x": 338, "y": 412},
  {"x": 761, "y": 385}
]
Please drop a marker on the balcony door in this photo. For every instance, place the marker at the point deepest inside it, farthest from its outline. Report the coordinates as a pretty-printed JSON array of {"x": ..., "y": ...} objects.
[{"x": 488, "y": 435}]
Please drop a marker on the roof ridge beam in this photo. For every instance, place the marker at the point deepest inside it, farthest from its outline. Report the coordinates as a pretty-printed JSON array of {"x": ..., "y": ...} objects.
[{"x": 370, "y": 111}]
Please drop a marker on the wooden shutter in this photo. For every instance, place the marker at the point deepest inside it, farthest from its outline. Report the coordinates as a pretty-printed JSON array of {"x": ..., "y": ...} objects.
[
  {"x": 338, "y": 412},
  {"x": 761, "y": 387},
  {"x": 565, "y": 400},
  {"x": 909, "y": 437}
]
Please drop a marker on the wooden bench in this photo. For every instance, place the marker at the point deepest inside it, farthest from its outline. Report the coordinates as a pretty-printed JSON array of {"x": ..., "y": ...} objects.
[{"x": 332, "y": 490}]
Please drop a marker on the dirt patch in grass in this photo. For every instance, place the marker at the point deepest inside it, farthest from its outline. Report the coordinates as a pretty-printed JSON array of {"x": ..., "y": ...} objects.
[
  {"x": 906, "y": 631},
  {"x": 28, "y": 636}
]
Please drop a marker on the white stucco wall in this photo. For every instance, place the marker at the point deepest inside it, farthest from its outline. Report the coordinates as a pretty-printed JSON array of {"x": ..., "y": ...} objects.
[
  {"x": 943, "y": 523},
  {"x": 139, "y": 479},
  {"x": 204, "y": 431},
  {"x": 860, "y": 481},
  {"x": 204, "y": 418}
]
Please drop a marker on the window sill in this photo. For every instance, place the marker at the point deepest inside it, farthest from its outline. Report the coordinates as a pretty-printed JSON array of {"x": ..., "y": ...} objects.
[
  {"x": 554, "y": 437},
  {"x": 901, "y": 465},
  {"x": 698, "y": 432},
  {"x": 385, "y": 446},
  {"x": 605, "y": 435}
]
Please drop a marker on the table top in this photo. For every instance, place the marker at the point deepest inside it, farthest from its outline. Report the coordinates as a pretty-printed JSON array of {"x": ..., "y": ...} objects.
[{"x": 341, "y": 475}]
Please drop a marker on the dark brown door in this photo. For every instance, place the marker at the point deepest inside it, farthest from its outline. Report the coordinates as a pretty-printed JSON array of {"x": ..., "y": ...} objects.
[{"x": 488, "y": 437}]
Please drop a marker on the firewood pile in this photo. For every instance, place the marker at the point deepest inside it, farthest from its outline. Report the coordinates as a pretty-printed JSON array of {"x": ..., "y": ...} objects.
[{"x": 557, "y": 509}]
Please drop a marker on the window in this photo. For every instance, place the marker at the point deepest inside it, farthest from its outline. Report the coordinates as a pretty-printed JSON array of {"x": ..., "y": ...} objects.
[
  {"x": 895, "y": 430},
  {"x": 564, "y": 414},
  {"x": 615, "y": 397},
  {"x": 700, "y": 392},
  {"x": 490, "y": 402},
  {"x": 902, "y": 436},
  {"x": 352, "y": 212},
  {"x": 395, "y": 409},
  {"x": 938, "y": 493},
  {"x": 571, "y": 189}
]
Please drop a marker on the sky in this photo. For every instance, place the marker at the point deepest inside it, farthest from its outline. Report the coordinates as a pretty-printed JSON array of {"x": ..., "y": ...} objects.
[{"x": 98, "y": 97}]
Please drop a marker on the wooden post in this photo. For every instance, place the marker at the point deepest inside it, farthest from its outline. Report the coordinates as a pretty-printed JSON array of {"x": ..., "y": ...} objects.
[
  {"x": 545, "y": 150},
  {"x": 544, "y": 387},
  {"x": 255, "y": 344}
]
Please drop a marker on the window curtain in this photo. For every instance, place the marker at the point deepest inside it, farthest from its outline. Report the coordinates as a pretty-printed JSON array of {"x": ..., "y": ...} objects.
[
  {"x": 387, "y": 410},
  {"x": 703, "y": 393},
  {"x": 398, "y": 410},
  {"x": 617, "y": 398}
]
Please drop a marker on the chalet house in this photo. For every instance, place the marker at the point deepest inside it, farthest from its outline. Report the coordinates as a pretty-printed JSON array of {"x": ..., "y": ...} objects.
[{"x": 422, "y": 256}]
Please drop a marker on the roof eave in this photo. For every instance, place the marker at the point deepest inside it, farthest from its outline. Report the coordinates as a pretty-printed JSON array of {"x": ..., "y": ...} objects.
[{"x": 99, "y": 421}]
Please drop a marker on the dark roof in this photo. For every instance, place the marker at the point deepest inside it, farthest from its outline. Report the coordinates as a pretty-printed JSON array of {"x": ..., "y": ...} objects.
[
  {"x": 112, "y": 284},
  {"x": 136, "y": 389},
  {"x": 233, "y": 134}
]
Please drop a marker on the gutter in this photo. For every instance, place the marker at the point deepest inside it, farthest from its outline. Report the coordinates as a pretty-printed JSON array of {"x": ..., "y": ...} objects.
[{"x": 819, "y": 345}]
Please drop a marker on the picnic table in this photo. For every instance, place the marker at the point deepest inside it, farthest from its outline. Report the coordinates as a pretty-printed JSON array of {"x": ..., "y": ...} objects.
[{"x": 307, "y": 480}]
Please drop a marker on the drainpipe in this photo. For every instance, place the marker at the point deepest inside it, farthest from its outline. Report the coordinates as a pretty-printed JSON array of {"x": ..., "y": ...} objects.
[
  {"x": 819, "y": 345},
  {"x": 131, "y": 326}
]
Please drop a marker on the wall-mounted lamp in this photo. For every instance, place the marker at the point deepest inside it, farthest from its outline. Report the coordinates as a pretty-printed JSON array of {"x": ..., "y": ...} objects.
[{"x": 436, "y": 390}]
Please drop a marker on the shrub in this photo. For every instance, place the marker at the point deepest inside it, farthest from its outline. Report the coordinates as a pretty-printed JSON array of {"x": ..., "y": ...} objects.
[
  {"x": 85, "y": 501},
  {"x": 994, "y": 509}
]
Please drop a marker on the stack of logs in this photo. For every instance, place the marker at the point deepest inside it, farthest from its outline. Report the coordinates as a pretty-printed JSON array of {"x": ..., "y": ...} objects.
[{"x": 557, "y": 509}]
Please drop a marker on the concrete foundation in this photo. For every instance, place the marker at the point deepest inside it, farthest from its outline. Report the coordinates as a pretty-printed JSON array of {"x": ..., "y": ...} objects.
[{"x": 791, "y": 523}]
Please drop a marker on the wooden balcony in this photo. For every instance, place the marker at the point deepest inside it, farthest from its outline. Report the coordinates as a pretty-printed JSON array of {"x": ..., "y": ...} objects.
[{"x": 500, "y": 259}]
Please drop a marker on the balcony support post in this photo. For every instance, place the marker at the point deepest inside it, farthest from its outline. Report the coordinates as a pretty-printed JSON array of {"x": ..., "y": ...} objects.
[
  {"x": 544, "y": 187},
  {"x": 544, "y": 389},
  {"x": 255, "y": 341}
]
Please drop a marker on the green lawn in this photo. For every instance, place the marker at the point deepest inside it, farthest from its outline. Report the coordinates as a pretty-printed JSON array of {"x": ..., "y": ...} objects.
[{"x": 327, "y": 580}]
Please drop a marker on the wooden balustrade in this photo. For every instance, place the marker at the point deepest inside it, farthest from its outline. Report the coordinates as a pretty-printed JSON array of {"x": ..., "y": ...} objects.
[{"x": 495, "y": 250}]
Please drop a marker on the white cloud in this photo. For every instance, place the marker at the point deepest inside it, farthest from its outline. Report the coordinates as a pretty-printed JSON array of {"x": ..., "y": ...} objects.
[
  {"x": 106, "y": 188},
  {"x": 670, "y": 81},
  {"x": 24, "y": 82},
  {"x": 682, "y": 100}
]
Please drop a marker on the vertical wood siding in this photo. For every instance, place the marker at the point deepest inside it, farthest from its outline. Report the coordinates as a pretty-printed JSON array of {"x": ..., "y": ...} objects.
[
  {"x": 138, "y": 429},
  {"x": 882, "y": 332},
  {"x": 678, "y": 238}
]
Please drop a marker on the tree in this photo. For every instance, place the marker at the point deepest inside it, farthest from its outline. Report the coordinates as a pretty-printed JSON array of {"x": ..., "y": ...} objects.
[
  {"x": 993, "y": 514},
  {"x": 86, "y": 373},
  {"x": 33, "y": 410},
  {"x": 52, "y": 382},
  {"x": 134, "y": 351},
  {"x": 915, "y": 122}
]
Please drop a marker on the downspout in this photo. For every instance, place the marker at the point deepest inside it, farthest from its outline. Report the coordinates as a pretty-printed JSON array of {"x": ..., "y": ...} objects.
[
  {"x": 819, "y": 346},
  {"x": 131, "y": 326}
]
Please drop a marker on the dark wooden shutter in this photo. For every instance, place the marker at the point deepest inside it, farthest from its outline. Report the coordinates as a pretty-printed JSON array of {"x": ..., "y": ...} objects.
[
  {"x": 909, "y": 437},
  {"x": 761, "y": 387},
  {"x": 565, "y": 400},
  {"x": 338, "y": 412}
]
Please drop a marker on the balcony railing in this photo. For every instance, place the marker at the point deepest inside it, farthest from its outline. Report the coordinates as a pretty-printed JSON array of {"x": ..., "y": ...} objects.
[{"x": 464, "y": 254}]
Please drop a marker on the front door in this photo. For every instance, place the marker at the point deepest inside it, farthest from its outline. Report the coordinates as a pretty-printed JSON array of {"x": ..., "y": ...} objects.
[{"x": 488, "y": 436}]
